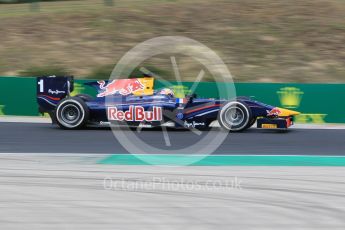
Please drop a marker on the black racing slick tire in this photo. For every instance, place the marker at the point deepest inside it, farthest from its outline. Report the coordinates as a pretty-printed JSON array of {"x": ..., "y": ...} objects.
[
  {"x": 235, "y": 116},
  {"x": 72, "y": 113},
  {"x": 251, "y": 123},
  {"x": 85, "y": 97}
]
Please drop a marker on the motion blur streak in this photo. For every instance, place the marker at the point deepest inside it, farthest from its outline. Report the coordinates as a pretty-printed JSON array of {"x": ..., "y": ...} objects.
[{"x": 266, "y": 40}]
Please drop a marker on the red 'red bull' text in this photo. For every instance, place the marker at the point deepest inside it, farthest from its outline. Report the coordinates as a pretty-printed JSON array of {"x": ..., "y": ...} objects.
[{"x": 135, "y": 113}]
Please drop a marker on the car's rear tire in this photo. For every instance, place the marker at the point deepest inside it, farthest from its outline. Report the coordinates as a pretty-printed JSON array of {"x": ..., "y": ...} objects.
[
  {"x": 85, "y": 97},
  {"x": 235, "y": 116},
  {"x": 72, "y": 113}
]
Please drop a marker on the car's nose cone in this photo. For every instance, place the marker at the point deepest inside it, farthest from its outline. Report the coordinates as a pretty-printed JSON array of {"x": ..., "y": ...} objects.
[{"x": 287, "y": 112}]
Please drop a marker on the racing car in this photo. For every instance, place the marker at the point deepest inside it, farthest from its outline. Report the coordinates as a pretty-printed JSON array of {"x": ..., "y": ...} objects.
[{"x": 134, "y": 102}]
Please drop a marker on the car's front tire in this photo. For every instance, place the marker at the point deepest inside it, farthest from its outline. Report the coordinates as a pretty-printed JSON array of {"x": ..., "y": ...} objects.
[
  {"x": 235, "y": 116},
  {"x": 72, "y": 113},
  {"x": 251, "y": 123}
]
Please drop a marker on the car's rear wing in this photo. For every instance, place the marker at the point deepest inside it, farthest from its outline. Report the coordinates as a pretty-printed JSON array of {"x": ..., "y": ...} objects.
[{"x": 52, "y": 89}]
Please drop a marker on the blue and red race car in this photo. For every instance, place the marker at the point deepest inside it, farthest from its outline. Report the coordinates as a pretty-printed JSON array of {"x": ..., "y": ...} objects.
[{"x": 134, "y": 102}]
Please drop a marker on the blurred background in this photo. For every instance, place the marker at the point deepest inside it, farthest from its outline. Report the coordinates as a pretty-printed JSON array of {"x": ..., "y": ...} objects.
[{"x": 259, "y": 40}]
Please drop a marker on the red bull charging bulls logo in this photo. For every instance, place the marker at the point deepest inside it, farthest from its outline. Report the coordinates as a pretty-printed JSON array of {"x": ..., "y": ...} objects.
[
  {"x": 135, "y": 113},
  {"x": 121, "y": 86},
  {"x": 274, "y": 112}
]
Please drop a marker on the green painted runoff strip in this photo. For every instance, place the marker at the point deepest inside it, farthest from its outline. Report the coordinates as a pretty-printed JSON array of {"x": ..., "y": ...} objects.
[{"x": 223, "y": 160}]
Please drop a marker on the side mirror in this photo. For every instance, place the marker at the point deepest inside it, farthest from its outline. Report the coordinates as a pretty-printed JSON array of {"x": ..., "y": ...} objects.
[{"x": 191, "y": 97}]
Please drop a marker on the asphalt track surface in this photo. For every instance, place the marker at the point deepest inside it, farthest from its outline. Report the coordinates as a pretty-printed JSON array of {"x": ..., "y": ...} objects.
[
  {"x": 45, "y": 138},
  {"x": 42, "y": 193},
  {"x": 72, "y": 191}
]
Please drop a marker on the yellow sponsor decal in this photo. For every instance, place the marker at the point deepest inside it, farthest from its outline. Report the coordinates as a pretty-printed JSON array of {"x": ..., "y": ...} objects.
[
  {"x": 2, "y": 107},
  {"x": 290, "y": 97},
  {"x": 148, "y": 83},
  {"x": 269, "y": 126}
]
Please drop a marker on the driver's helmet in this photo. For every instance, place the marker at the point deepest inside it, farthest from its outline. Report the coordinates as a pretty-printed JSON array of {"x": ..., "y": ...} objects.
[{"x": 166, "y": 91}]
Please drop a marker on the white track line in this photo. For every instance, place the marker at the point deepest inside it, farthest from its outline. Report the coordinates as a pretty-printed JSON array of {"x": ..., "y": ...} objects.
[{"x": 22, "y": 119}]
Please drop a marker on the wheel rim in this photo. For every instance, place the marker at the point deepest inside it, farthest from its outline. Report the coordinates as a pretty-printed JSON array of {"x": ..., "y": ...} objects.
[
  {"x": 234, "y": 116},
  {"x": 70, "y": 114}
]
